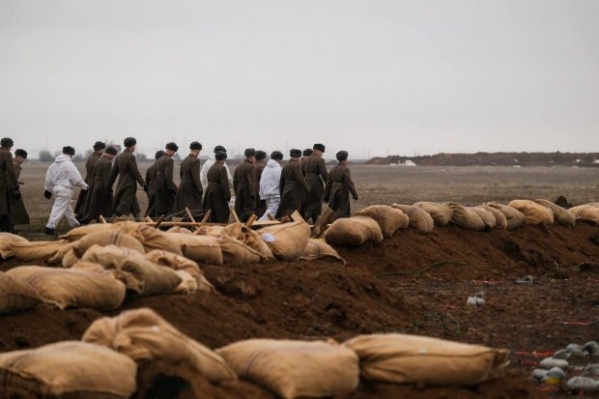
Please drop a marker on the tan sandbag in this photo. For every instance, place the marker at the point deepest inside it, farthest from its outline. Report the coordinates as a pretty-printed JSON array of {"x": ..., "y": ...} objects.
[
  {"x": 16, "y": 295},
  {"x": 6, "y": 242},
  {"x": 586, "y": 211},
  {"x": 287, "y": 240},
  {"x": 216, "y": 231},
  {"x": 407, "y": 359},
  {"x": 535, "y": 213},
  {"x": 249, "y": 237},
  {"x": 500, "y": 219},
  {"x": 514, "y": 217},
  {"x": 69, "y": 369},
  {"x": 317, "y": 249},
  {"x": 237, "y": 253},
  {"x": 69, "y": 287},
  {"x": 69, "y": 259},
  {"x": 420, "y": 220},
  {"x": 389, "y": 219},
  {"x": 153, "y": 239},
  {"x": 179, "y": 229},
  {"x": 131, "y": 228},
  {"x": 486, "y": 216},
  {"x": 181, "y": 263},
  {"x": 139, "y": 274},
  {"x": 560, "y": 215},
  {"x": 82, "y": 231},
  {"x": 148, "y": 339},
  {"x": 295, "y": 369},
  {"x": 199, "y": 248},
  {"x": 353, "y": 231},
  {"x": 466, "y": 218},
  {"x": 37, "y": 252},
  {"x": 440, "y": 213},
  {"x": 188, "y": 285}
]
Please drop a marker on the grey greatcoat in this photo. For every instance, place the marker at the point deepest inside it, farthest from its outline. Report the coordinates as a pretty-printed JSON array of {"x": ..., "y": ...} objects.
[
  {"x": 8, "y": 181},
  {"x": 151, "y": 183},
  {"x": 99, "y": 199},
  {"x": 125, "y": 199},
  {"x": 244, "y": 185},
  {"x": 218, "y": 194},
  {"x": 292, "y": 188},
  {"x": 89, "y": 170},
  {"x": 190, "y": 189},
  {"x": 336, "y": 192},
  {"x": 18, "y": 212},
  {"x": 165, "y": 189},
  {"x": 315, "y": 175}
]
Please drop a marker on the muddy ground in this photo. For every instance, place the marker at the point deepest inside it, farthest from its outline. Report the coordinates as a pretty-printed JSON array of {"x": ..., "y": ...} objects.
[{"x": 411, "y": 283}]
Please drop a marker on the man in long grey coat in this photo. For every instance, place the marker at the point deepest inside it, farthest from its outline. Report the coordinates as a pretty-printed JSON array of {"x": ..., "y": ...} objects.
[
  {"x": 244, "y": 185},
  {"x": 190, "y": 190},
  {"x": 151, "y": 183},
  {"x": 99, "y": 199},
  {"x": 125, "y": 168},
  {"x": 339, "y": 186},
  {"x": 315, "y": 175},
  {"x": 18, "y": 212},
  {"x": 9, "y": 186},
  {"x": 89, "y": 170},
  {"x": 217, "y": 194},
  {"x": 165, "y": 188},
  {"x": 291, "y": 186}
]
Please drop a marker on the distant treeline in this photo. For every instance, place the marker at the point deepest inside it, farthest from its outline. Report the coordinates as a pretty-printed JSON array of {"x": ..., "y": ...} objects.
[{"x": 496, "y": 159}]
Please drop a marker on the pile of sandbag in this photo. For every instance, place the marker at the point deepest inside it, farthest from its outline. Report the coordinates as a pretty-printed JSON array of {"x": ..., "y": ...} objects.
[
  {"x": 16, "y": 295},
  {"x": 535, "y": 213},
  {"x": 588, "y": 212},
  {"x": 420, "y": 219},
  {"x": 353, "y": 231},
  {"x": 389, "y": 219}
]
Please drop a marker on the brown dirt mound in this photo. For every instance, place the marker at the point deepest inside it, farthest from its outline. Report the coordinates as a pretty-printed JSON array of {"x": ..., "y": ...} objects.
[{"x": 411, "y": 283}]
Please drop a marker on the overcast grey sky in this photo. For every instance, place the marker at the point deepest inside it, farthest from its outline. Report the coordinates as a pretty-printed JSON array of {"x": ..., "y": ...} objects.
[{"x": 372, "y": 77}]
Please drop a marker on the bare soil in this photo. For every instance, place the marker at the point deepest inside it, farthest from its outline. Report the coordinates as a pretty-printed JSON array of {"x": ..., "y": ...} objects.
[{"x": 411, "y": 283}]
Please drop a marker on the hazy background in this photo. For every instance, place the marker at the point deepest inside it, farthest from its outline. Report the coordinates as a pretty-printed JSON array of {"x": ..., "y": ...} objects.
[{"x": 372, "y": 77}]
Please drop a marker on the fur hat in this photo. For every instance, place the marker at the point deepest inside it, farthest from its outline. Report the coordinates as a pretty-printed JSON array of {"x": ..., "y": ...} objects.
[
  {"x": 7, "y": 142},
  {"x": 319, "y": 147},
  {"x": 195, "y": 146},
  {"x": 129, "y": 142},
  {"x": 295, "y": 153},
  {"x": 158, "y": 154},
  {"x": 68, "y": 150},
  {"x": 99, "y": 146},
  {"x": 21, "y": 153},
  {"x": 249, "y": 152},
  {"x": 260, "y": 155},
  {"x": 276, "y": 155},
  {"x": 307, "y": 152},
  {"x": 342, "y": 156},
  {"x": 172, "y": 146},
  {"x": 219, "y": 148},
  {"x": 110, "y": 150},
  {"x": 220, "y": 156}
]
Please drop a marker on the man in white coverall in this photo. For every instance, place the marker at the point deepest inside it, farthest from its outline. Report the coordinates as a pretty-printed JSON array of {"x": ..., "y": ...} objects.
[
  {"x": 269, "y": 184},
  {"x": 62, "y": 175}
]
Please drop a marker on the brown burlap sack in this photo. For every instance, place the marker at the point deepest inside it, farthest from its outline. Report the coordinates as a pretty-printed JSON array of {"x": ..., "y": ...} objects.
[
  {"x": 317, "y": 249},
  {"x": 82, "y": 231},
  {"x": 237, "y": 253},
  {"x": 69, "y": 259},
  {"x": 149, "y": 340},
  {"x": 420, "y": 220},
  {"x": 188, "y": 285},
  {"x": 153, "y": 239},
  {"x": 353, "y": 231},
  {"x": 250, "y": 238},
  {"x": 514, "y": 217},
  {"x": 487, "y": 217},
  {"x": 588, "y": 211},
  {"x": 139, "y": 274},
  {"x": 535, "y": 213},
  {"x": 294, "y": 369},
  {"x": 440, "y": 213},
  {"x": 179, "y": 229},
  {"x": 38, "y": 252},
  {"x": 69, "y": 369},
  {"x": 389, "y": 219},
  {"x": 287, "y": 240},
  {"x": 199, "y": 248},
  {"x": 560, "y": 215},
  {"x": 401, "y": 358},
  {"x": 69, "y": 287},
  {"x": 500, "y": 219},
  {"x": 7, "y": 240},
  {"x": 216, "y": 231},
  {"x": 16, "y": 295},
  {"x": 466, "y": 218},
  {"x": 181, "y": 263}
]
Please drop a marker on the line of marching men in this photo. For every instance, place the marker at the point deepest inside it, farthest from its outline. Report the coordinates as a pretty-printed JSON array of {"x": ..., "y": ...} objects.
[{"x": 262, "y": 187}]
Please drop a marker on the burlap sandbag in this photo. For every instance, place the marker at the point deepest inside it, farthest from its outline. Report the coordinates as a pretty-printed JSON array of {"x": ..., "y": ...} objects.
[
  {"x": 389, "y": 219},
  {"x": 535, "y": 213},
  {"x": 38, "y": 252},
  {"x": 402, "y": 358},
  {"x": 466, "y": 218},
  {"x": 179, "y": 229},
  {"x": 487, "y": 217},
  {"x": 199, "y": 248},
  {"x": 500, "y": 219},
  {"x": 16, "y": 295},
  {"x": 237, "y": 253},
  {"x": 420, "y": 220},
  {"x": 216, "y": 231},
  {"x": 70, "y": 370},
  {"x": 294, "y": 369},
  {"x": 139, "y": 274},
  {"x": 588, "y": 211},
  {"x": 181, "y": 263},
  {"x": 188, "y": 284},
  {"x": 514, "y": 217},
  {"x": 82, "y": 231},
  {"x": 440, "y": 213},
  {"x": 317, "y": 249},
  {"x": 7, "y": 241},
  {"x": 250, "y": 238},
  {"x": 69, "y": 287},
  {"x": 149, "y": 340},
  {"x": 287, "y": 240},
  {"x": 353, "y": 231},
  {"x": 560, "y": 215},
  {"x": 153, "y": 239}
]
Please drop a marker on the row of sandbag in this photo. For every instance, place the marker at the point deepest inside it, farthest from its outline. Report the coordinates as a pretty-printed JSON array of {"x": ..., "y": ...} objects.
[{"x": 138, "y": 345}]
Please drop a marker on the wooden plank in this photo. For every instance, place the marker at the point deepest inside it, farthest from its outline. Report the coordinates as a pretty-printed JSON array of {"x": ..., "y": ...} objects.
[
  {"x": 102, "y": 220},
  {"x": 271, "y": 216},
  {"x": 251, "y": 220},
  {"x": 159, "y": 222},
  {"x": 264, "y": 223},
  {"x": 297, "y": 217},
  {"x": 235, "y": 217},
  {"x": 203, "y": 221},
  {"x": 189, "y": 214},
  {"x": 324, "y": 219}
]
